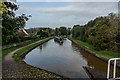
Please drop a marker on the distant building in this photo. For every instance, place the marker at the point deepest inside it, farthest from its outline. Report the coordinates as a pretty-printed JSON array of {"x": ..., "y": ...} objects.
[
  {"x": 32, "y": 31},
  {"x": 22, "y": 32}
]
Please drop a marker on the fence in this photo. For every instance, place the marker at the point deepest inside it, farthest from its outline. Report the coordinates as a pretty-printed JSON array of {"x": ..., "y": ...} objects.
[{"x": 114, "y": 70}]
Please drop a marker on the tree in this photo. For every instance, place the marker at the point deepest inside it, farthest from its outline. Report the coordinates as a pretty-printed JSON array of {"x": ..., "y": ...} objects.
[
  {"x": 68, "y": 31},
  {"x": 3, "y": 8},
  {"x": 78, "y": 32},
  {"x": 11, "y": 23},
  {"x": 56, "y": 32},
  {"x": 43, "y": 32},
  {"x": 63, "y": 30}
]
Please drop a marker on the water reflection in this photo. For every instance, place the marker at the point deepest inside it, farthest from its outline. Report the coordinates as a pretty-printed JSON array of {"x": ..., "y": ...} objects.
[
  {"x": 67, "y": 59},
  {"x": 40, "y": 48},
  {"x": 93, "y": 61}
]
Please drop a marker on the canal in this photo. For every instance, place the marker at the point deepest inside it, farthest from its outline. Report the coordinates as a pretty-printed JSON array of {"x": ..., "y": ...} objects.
[{"x": 67, "y": 59}]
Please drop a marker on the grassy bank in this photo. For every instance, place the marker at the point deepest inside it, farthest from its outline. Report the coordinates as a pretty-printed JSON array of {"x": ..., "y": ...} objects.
[
  {"x": 103, "y": 53},
  {"x": 8, "y": 50},
  {"x": 15, "y": 56}
]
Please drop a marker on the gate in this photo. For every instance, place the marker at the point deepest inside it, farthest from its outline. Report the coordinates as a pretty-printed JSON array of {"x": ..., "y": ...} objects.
[{"x": 114, "y": 69}]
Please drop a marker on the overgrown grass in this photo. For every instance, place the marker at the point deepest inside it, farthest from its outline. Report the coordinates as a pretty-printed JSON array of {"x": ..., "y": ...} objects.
[
  {"x": 102, "y": 53},
  {"x": 15, "y": 56}
]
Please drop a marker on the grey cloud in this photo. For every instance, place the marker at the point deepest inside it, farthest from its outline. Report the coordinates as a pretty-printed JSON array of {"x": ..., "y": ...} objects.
[{"x": 76, "y": 13}]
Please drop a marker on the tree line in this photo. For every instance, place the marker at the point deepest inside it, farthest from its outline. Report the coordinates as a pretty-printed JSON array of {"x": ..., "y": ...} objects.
[
  {"x": 103, "y": 32},
  {"x": 46, "y": 31},
  {"x": 61, "y": 31}
]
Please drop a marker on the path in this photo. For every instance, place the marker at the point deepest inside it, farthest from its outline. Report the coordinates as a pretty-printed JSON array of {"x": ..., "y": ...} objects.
[
  {"x": 13, "y": 69},
  {"x": 9, "y": 56}
]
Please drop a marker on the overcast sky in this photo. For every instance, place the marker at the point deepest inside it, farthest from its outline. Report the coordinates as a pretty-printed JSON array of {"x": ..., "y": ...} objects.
[
  {"x": 67, "y": 0},
  {"x": 56, "y": 14}
]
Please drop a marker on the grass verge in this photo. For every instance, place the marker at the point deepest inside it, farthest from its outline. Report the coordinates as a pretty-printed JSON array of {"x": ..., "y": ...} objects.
[
  {"x": 19, "y": 52},
  {"x": 8, "y": 50},
  {"x": 102, "y": 53}
]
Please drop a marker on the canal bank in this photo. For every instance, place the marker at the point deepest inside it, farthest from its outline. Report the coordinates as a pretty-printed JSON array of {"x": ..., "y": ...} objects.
[
  {"x": 56, "y": 58},
  {"x": 67, "y": 59},
  {"x": 93, "y": 73},
  {"x": 94, "y": 54},
  {"x": 19, "y": 70}
]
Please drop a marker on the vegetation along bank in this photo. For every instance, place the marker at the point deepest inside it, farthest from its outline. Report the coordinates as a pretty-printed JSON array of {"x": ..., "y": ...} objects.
[{"x": 101, "y": 35}]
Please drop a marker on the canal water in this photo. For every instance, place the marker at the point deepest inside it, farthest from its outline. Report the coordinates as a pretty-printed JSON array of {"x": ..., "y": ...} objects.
[{"x": 67, "y": 59}]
